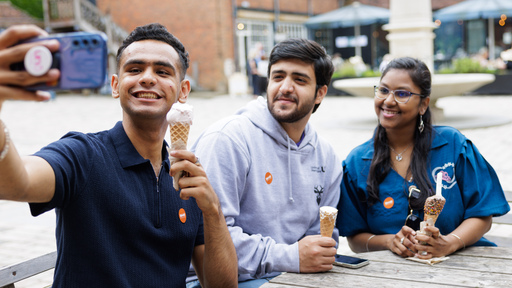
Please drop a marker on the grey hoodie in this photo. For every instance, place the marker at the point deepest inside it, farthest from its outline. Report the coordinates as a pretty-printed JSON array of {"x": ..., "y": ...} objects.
[{"x": 270, "y": 189}]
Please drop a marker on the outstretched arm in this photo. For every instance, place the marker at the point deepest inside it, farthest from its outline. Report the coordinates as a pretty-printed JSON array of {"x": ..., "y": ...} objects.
[
  {"x": 215, "y": 262},
  {"x": 30, "y": 179}
]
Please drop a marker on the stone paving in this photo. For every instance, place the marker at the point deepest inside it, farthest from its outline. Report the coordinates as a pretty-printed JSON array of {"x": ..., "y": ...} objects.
[{"x": 344, "y": 121}]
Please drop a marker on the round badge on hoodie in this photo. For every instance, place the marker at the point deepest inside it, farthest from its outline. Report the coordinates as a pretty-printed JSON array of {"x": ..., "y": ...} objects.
[{"x": 268, "y": 178}]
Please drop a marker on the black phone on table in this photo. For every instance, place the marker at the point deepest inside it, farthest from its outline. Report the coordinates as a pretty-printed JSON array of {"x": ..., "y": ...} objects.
[{"x": 350, "y": 261}]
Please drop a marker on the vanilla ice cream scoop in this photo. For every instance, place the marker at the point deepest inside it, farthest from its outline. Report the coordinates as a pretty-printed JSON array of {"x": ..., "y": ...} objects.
[{"x": 180, "y": 113}]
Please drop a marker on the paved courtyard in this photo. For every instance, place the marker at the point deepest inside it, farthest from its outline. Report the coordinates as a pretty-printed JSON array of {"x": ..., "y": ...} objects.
[{"x": 344, "y": 121}]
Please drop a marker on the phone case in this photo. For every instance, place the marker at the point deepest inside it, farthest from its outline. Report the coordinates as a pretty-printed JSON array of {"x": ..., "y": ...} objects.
[
  {"x": 350, "y": 262},
  {"x": 81, "y": 59}
]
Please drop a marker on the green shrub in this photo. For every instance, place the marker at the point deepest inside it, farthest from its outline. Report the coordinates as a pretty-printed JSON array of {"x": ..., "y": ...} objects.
[
  {"x": 371, "y": 73},
  {"x": 32, "y": 7},
  {"x": 346, "y": 71},
  {"x": 464, "y": 65}
]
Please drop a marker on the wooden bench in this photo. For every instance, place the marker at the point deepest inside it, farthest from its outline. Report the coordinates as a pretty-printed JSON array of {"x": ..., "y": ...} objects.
[{"x": 9, "y": 275}]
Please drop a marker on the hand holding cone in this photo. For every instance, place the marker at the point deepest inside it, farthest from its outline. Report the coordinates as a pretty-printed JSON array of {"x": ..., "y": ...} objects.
[
  {"x": 432, "y": 209},
  {"x": 179, "y": 119}
]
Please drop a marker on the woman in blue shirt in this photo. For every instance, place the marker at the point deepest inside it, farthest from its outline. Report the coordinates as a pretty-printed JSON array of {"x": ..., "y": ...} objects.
[{"x": 387, "y": 179}]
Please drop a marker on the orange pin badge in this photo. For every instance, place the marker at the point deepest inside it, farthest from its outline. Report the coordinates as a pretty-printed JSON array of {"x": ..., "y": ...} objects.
[
  {"x": 389, "y": 203},
  {"x": 268, "y": 178},
  {"x": 182, "y": 215}
]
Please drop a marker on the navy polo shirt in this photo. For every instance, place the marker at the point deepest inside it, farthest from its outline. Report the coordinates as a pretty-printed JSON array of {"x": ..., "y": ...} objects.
[{"x": 118, "y": 225}]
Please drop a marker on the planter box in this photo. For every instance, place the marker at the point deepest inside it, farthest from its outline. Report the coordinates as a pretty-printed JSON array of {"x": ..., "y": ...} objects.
[
  {"x": 501, "y": 86},
  {"x": 331, "y": 91}
]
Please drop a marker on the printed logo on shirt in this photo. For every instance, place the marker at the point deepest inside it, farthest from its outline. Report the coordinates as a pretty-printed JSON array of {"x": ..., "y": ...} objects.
[
  {"x": 268, "y": 178},
  {"x": 319, "y": 169},
  {"x": 448, "y": 171},
  {"x": 182, "y": 215},
  {"x": 319, "y": 190},
  {"x": 389, "y": 203}
]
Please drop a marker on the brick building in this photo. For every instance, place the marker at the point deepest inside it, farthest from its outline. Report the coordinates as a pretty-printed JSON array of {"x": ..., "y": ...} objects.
[{"x": 219, "y": 33}]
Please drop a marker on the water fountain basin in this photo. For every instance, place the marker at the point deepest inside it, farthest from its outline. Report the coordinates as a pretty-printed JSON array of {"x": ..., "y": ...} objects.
[{"x": 443, "y": 85}]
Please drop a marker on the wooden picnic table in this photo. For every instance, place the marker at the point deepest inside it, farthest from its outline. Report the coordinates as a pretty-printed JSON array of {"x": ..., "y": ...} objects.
[{"x": 472, "y": 267}]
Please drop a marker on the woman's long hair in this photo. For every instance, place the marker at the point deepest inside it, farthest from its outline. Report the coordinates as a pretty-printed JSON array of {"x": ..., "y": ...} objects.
[{"x": 380, "y": 165}]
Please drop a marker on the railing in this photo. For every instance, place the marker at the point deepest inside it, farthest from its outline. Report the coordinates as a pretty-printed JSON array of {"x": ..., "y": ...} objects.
[{"x": 73, "y": 15}]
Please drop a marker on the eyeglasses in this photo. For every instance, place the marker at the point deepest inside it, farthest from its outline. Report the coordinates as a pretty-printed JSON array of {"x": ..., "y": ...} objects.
[
  {"x": 412, "y": 220},
  {"x": 401, "y": 96}
]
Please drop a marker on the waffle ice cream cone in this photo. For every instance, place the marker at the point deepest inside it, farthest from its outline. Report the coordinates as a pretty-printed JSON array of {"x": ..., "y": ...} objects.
[
  {"x": 179, "y": 119},
  {"x": 433, "y": 207},
  {"x": 179, "y": 134},
  {"x": 435, "y": 203},
  {"x": 327, "y": 220}
]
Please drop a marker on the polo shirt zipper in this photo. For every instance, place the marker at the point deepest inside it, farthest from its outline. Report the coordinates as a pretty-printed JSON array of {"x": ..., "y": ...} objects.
[{"x": 159, "y": 201}]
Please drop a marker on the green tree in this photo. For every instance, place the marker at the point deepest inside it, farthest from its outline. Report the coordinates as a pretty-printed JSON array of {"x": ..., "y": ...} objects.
[{"x": 32, "y": 7}]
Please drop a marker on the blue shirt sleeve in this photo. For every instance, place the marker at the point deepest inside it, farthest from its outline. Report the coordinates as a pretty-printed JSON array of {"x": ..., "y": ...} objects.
[{"x": 482, "y": 192}]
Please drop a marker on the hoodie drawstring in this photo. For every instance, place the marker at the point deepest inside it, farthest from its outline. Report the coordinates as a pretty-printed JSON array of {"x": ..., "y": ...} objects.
[{"x": 289, "y": 171}]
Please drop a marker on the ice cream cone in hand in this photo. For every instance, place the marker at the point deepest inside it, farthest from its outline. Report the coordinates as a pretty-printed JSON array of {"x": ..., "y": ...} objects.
[
  {"x": 179, "y": 118},
  {"x": 327, "y": 220},
  {"x": 434, "y": 204}
]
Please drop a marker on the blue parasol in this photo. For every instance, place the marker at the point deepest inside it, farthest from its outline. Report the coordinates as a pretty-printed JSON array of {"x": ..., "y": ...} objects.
[
  {"x": 349, "y": 16},
  {"x": 353, "y": 15},
  {"x": 475, "y": 9}
]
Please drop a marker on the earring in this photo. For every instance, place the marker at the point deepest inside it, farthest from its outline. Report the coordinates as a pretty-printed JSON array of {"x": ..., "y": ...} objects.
[{"x": 421, "y": 126}]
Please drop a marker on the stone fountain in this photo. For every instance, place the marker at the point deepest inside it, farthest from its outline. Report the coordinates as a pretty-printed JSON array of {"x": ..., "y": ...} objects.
[{"x": 411, "y": 34}]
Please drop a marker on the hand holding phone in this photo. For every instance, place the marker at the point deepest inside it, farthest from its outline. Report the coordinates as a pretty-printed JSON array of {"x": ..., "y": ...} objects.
[
  {"x": 13, "y": 83},
  {"x": 350, "y": 262},
  {"x": 81, "y": 59}
]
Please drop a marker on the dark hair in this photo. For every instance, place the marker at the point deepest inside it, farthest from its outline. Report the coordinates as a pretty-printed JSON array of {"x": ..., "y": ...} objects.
[
  {"x": 157, "y": 32},
  {"x": 309, "y": 52},
  {"x": 381, "y": 165}
]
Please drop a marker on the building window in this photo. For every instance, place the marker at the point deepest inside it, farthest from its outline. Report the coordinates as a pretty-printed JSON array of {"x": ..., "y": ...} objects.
[
  {"x": 291, "y": 30},
  {"x": 259, "y": 31},
  {"x": 324, "y": 38}
]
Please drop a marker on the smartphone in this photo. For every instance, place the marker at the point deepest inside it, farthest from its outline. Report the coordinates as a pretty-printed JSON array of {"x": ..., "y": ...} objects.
[
  {"x": 350, "y": 262},
  {"x": 81, "y": 59}
]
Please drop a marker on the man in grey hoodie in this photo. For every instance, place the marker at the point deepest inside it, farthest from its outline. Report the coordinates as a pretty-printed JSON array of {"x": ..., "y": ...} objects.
[{"x": 272, "y": 171}]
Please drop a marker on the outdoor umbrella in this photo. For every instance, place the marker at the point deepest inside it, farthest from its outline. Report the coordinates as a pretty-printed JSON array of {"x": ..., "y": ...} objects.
[
  {"x": 477, "y": 9},
  {"x": 353, "y": 15}
]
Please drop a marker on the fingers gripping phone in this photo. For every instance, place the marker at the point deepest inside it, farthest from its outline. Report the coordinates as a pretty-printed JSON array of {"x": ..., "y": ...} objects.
[
  {"x": 350, "y": 262},
  {"x": 81, "y": 59}
]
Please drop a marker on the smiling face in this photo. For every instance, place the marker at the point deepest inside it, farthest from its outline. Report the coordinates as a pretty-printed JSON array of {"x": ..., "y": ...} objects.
[
  {"x": 399, "y": 116},
  {"x": 149, "y": 81},
  {"x": 291, "y": 91}
]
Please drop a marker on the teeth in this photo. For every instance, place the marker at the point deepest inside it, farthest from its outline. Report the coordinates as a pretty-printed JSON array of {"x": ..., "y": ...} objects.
[
  {"x": 147, "y": 95},
  {"x": 390, "y": 112}
]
